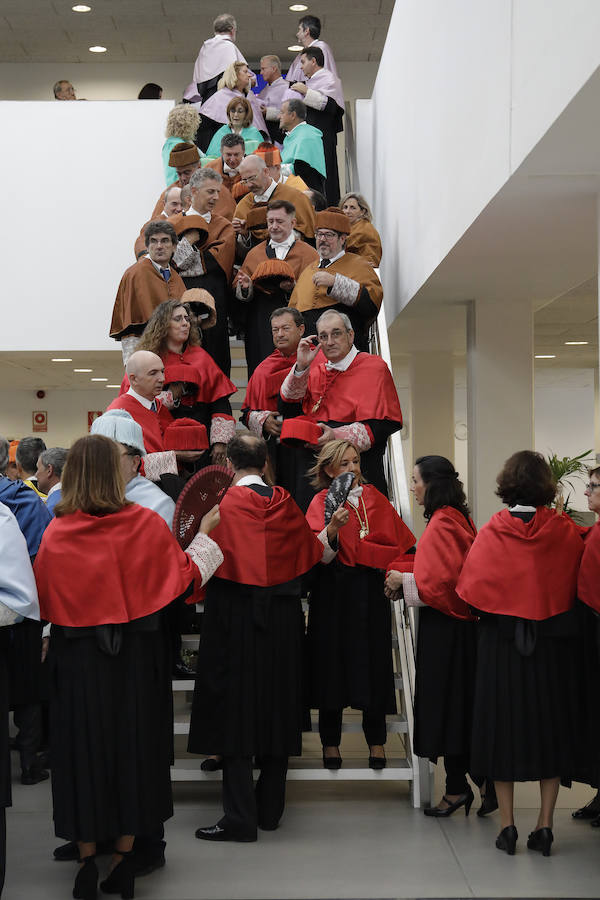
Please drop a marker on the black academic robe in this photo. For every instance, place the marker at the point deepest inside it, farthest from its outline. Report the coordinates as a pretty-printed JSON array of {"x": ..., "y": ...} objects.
[
  {"x": 329, "y": 123},
  {"x": 215, "y": 340}
]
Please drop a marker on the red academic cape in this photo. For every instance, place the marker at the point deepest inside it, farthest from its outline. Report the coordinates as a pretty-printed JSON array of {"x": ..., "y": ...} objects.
[
  {"x": 266, "y": 380},
  {"x": 525, "y": 569},
  {"x": 388, "y": 535},
  {"x": 265, "y": 540},
  {"x": 440, "y": 555},
  {"x": 150, "y": 422},
  {"x": 95, "y": 570},
  {"x": 364, "y": 391},
  {"x": 588, "y": 583},
  {"x": 214, "y": 384}
]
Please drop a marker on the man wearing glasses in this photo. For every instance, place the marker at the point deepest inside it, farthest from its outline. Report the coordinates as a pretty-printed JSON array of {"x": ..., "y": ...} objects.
[{"x": 339, "y": 280}]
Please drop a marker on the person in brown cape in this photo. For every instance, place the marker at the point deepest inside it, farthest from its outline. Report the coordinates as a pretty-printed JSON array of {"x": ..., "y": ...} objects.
[
  {"x": 144, "y": 286},
  {"x": 172, "y": 207},
  {"x": 363, "y": 238},
  {"x": 211, "y": 266},
  {"x": 233, "y": 150},
  {"x": 185, "y": 159},
  {"x": 262, "y": 298},
  {"x": 339, "y": 280},
  {"x": 250, "y": 217}
]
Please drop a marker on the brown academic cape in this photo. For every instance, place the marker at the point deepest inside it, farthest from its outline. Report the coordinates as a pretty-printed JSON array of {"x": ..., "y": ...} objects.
[
  {"x": 141, "y": 290},
  {"x": 305, "y": 214},
  {"x": 364, "y": 240},
  {"x": 224, "y": 207},
  {"x": 220, "y": 243},
  {"x": 228, "y": 180}
]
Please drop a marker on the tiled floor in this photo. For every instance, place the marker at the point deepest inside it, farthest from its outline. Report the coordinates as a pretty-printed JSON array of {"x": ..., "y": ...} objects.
[{"x": 346, "y": 840}]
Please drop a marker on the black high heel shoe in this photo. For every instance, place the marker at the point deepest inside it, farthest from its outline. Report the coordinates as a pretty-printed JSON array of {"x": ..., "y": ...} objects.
[
  {"x": 332, "y": 762},
  {"x": 590, "y": 811},
  {"x": 541, "y": 840},
  {"x": 86, "y": 881},
  {"x": 507, "y": 840},
  {"x": 122, "y": 878},
  {"x": 489, "y": 801},
  {"x": 377, "y": 763},
  {"x": 465, "y": 800}
]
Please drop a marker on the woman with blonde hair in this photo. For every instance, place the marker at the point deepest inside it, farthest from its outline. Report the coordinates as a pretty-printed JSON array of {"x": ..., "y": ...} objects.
[
  {"x": 364, "y": 238},
  {"x": 234, "y": 83},
  {"x": 182, "y": 124},
  {"x": 239, "y": 121},
  {"x": 349, "y": 624}
]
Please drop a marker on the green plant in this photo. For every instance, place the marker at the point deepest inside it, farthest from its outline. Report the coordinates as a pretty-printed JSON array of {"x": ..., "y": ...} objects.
[{"x": 565, "y": 468}]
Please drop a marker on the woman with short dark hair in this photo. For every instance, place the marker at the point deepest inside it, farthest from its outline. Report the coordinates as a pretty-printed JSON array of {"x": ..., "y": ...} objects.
[
  {"x": 447, "y": 637},
  {"x": 521, "y": 576}
]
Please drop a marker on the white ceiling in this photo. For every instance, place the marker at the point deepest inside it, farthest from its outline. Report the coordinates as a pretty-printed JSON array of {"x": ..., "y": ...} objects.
[
  {"x": 173, "y": 30},
  {"x": 35, "y": 371}
]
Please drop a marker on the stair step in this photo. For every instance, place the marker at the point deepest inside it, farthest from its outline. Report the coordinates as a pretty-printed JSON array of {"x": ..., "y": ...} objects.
[{"x": 301, "y": 769}]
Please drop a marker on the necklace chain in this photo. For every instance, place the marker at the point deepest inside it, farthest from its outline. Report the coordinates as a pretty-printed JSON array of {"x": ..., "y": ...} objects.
[{"x": 364, "y": 525}]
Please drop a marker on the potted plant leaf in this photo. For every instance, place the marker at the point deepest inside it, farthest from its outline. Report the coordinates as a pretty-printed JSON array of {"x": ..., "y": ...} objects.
[{"x": 564, "y": 469}]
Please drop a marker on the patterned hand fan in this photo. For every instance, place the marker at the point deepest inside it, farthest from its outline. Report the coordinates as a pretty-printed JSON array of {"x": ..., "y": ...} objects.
[
  {"x": 201, "y": 493},
  {"x": 337, "y": 494}
]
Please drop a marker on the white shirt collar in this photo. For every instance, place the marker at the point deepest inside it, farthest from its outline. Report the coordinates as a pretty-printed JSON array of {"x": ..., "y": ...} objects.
[
  {"x": 207, "y": 216},
  {"x": 522, "y": 509},
  {"x": 250, "y": 479},
  {"x": 54, "y": 488},
  {"x": 140, "y": 399},
  {"x": 344, "y": 363},
  {"x": 336, "y": 257},
  {"x": 157, "y": 266},
  {"x": 227, "y": 170},
  {"x": 262, "y": 198},
  {"x": 287, "y": 243},
  {"x": 355, "y": 494}
]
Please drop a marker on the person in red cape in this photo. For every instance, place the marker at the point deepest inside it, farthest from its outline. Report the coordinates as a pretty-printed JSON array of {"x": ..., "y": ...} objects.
[
  {"x": 105, "y": 572},
  {"x": 248, "y": 694},
  {"x": 350, "y": 624},
  {"x": 447, "y": 637},
  {"x": 521, "y": 577},
  {"x": 173, "y": 335},
  {"x": 351, "y": 395}
]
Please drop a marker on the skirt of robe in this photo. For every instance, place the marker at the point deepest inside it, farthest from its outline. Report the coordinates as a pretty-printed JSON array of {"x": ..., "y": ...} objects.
[
  {"x": 26, "y": 674},
  {"x": 349, "y": 640},
  {"x": 248, "y": 693},
  {"x": 5, "y": 774},
  {"x": 528, "y": 709},
  {"x": 445, "y": 685},
  {"x": 587, "y": 767},
  {"x": 111, "y": 735}
]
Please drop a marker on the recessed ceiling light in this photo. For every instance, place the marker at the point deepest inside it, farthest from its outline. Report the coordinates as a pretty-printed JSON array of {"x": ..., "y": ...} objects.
[
  {"x": 61, "y": 359},
  {"x": 97, "y": 49},
  {"x": 298, "y": 7},
  {"x": 81, "y": 8},
  {"x": 296, "y": 47},
  {"x": 575, "y": 343},
  {"x": 112, "y": 385},
  {"x": 545, "y": 355},
  {"x": 83, "y": 370},
  {"x": 98, "y": 379}
]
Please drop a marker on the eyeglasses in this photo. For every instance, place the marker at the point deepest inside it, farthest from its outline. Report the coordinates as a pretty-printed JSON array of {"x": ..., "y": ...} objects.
[
  {"x": 326, "y": 234},
  {"x": 249, "y": 179},
  {"x": 592, "y": 485},
  {"x": 336, "y": 334}
]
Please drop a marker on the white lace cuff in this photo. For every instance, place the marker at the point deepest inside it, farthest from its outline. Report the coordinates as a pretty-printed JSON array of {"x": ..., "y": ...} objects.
[
  {"x": 162, "y": 463},
  {"x": 411, "y": 593},
  {"x": 328, "y": 552},
  {"x": 187, "y": 258},
  {"x": 7, "y": 615},
  {"x": 356, "y": 433},
  {"x": 256, "y": 420},
  {"x": 345, "y": 290},
  {"x": 315, "y": 99},
  {"x": 166, "y": 398},
  {"x": 294, "y": 386},
  {"x": 244, "y": 297},
  {"x": 221, "y": 430},
  {"x": 207, "y": 555}
]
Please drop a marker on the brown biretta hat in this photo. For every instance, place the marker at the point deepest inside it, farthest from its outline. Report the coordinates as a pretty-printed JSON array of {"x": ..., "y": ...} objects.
[
  {"x": 201, "y": 303},
  {"x": 183, "y": 154},
  {"x": 182, "y": 223},
  {"x": 333, "y": 218},
  {"x": 272, "y": 157}
]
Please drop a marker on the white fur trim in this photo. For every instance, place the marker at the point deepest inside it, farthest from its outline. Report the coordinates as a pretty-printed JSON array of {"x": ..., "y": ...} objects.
[
  {"x": 128, "y": 346},
  {"x": 315, "y": 99}
]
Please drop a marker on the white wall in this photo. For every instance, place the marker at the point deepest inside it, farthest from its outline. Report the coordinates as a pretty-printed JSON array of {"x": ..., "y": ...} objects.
[
  {"x": 67, "y": 413},
  {"x": 463, "y": 93}
]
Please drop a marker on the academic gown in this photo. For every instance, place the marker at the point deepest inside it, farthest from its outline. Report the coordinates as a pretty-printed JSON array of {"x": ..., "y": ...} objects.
[
  {"x": 305, "y": 214},
  {"x": 213, "y": 114},
  {"x": 361, "y": 309},
  {"x": 229, "y": 181},
  {"x": 303, "y": 149},
  {"x": 217, "y": 255},
  {"x": 150, "y": 422},
  {"x": 251, "y": 135},
  {"x": 111, "y": 713},
  {"x": 259, "y": 338},
  {"x": 141, "y": 290},
  {"x": 364, "y": 240},
  {"x": 248, "y": 692},
  {"x": 520, "y": 576},
  {"x": 364, "y": 393},
  {"x": 349, "y": 633},
  {"x": 224, "y": 207}
]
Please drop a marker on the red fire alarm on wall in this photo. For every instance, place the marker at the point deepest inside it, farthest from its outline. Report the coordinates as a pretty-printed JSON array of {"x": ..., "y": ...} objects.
[{"x": 39, "y": 420}]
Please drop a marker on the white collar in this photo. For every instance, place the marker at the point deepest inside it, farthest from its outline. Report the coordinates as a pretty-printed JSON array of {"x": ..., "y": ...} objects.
[
  {"x": 519, "y": 508},
  {"x": 140, "y": 399},
  {"x": 344, "y": 363},
  {"x": 55, "y": 487},
  {"x": 334, "y": 258},
  {"x": 262, "y": 198},
  {"x": 287, "y": 243},
  {"x": 158, "y": 267},
  {"x": 207, "y": 216},
  {"x": 228, "y": 170},
  {"x": 355, "y": 494},
  {"x": 250, "y": 479}
]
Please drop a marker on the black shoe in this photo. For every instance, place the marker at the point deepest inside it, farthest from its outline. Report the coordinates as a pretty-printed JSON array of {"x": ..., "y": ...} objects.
[
  {"x": 122, "y": 878},
  {"x": 541, "y": 840},
  {"x": 465, "y": 800},
  {"x": 590, "y": 811},
  {"x": 149, "y": 858},
  {"x": 180, "y": 670},
  {"x": 33, "y": 775},
  {"x": 43, "y": 760},
  {"x": 507, "y": 840},
  {"x": 69, "y": 852},
  {"x": 86, "y": 882},
  {"x": 377, "y": 762},
  {"x": 595, "y": 823},
  {"x": 332, "y": 762},
  {"x": 489, "y": 801},
  {"x": 216, "y": 833},
  {"x": 211, "y": 764},
  {"x": 268, "y": 827}
]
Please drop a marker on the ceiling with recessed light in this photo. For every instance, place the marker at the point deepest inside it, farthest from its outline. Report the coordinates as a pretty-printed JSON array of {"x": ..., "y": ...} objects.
[{"x": 173, "y": 30}]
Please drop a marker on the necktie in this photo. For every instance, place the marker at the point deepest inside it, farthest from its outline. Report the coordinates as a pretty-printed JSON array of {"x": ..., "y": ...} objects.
[
  {"x": 166, "y": 274},
  {"x": 324, "y": 263},
  {"x": 153, "y": 406}
]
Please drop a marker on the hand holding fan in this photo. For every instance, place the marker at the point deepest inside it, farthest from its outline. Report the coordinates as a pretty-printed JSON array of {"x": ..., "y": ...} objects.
[
  {"x": 200, "y": 494},
  {"x": 337, "y": 494}
]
